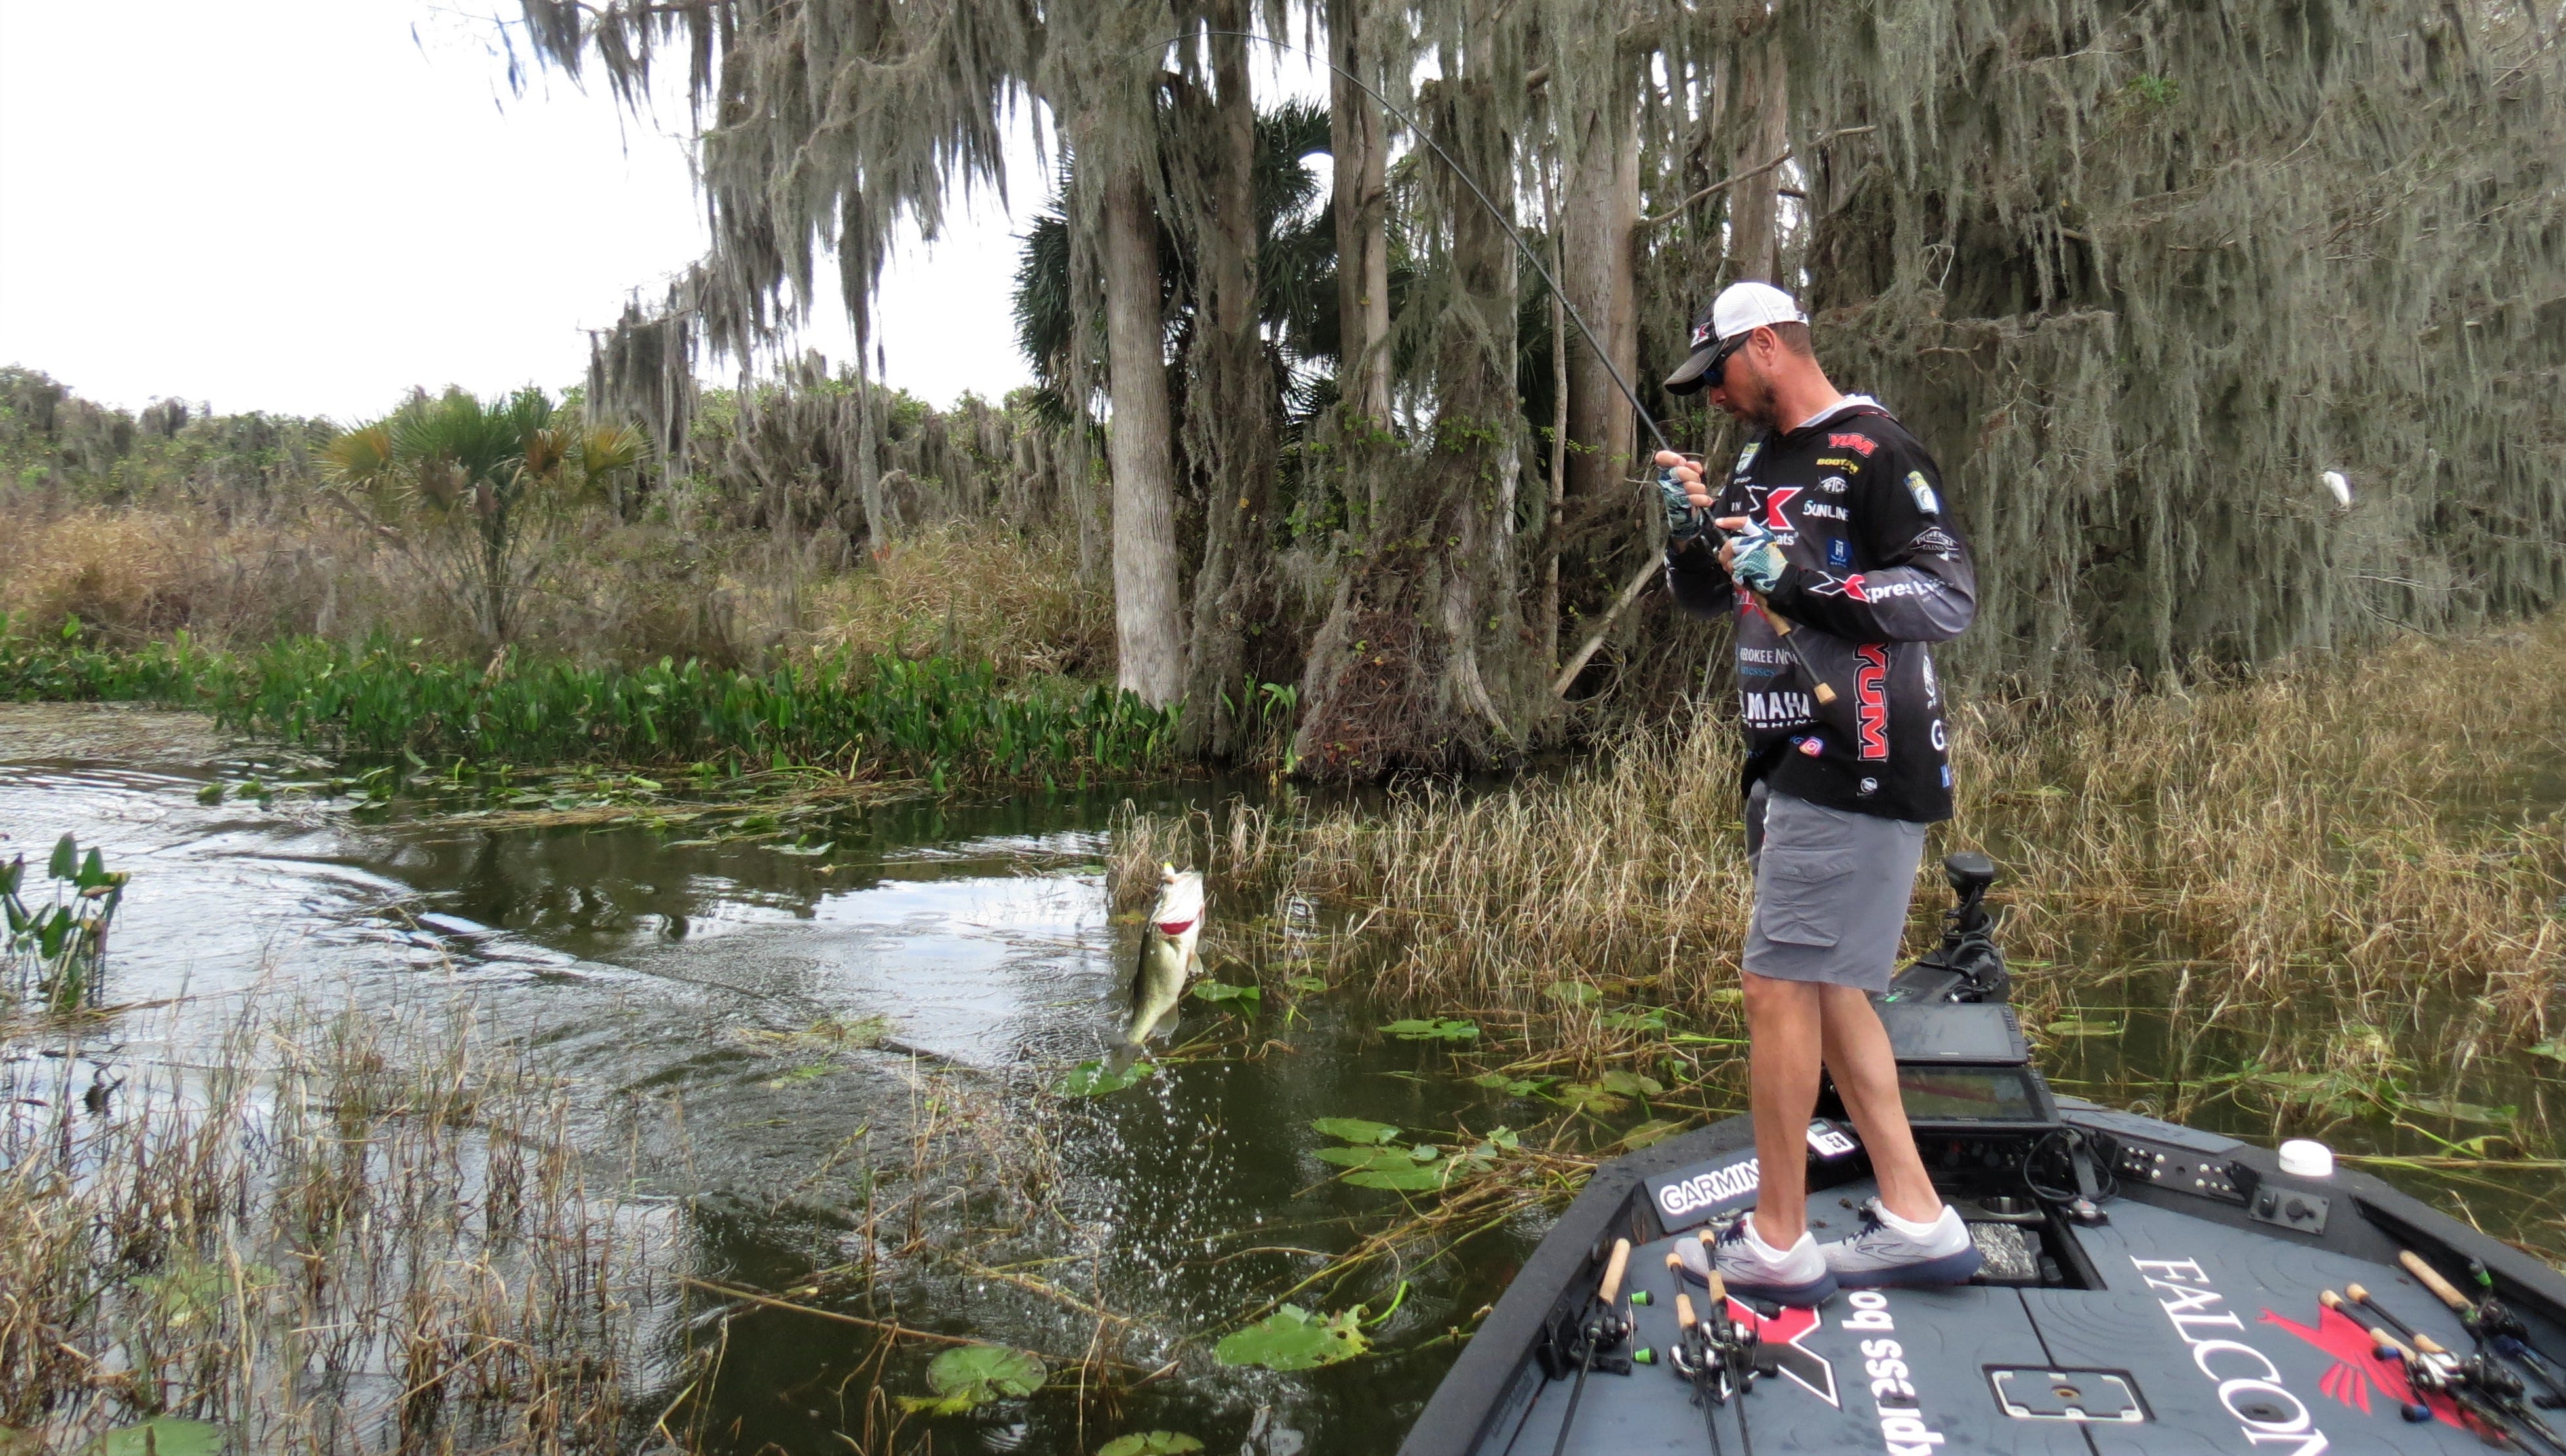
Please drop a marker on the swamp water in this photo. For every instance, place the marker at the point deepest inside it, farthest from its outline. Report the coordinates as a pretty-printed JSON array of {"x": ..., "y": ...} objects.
[{"x": 830, "y": 1059}]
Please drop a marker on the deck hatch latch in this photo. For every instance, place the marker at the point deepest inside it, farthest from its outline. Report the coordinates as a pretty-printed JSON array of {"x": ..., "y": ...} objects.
[{"x": 2094, "y": 1397}]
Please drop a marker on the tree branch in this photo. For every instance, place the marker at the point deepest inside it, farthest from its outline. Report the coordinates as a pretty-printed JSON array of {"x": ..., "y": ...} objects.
[{"x": 1725, "y": 183}]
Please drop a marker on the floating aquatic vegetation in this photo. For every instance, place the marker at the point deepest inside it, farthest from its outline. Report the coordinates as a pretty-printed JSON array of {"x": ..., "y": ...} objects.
[
  {"x": 164, "y": 1436},
  {"x": 1149, "y": 1443},
  {"x": 1436, "y": 1029},
  {"x": 1093, "y": 1079},
  {"x": 1354, "y": 1129},
  {"x": 1216, "y": 992},
  {"x": 972, "y": 1375},
  {"x": 1293, "y": 1338}
]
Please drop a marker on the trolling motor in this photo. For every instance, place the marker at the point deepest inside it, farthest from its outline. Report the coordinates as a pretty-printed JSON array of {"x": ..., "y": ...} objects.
[{"x": 1968, "y": 966}]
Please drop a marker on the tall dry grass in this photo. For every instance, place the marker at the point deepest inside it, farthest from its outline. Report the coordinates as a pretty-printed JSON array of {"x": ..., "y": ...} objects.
[
  {"x": 608, "y": 591},
  {"x": 971, "y": 590},
  {"x": 353, "y": 1232},
  {"x": 2358, "y": 829}
]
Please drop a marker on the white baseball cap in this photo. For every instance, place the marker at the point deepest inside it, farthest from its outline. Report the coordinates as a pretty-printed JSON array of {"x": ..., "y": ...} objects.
[{"x": 1720, "y": 329}]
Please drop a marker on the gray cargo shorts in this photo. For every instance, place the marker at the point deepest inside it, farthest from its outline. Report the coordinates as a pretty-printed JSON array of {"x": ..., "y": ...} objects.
[{"x": 1831, "y": 890}]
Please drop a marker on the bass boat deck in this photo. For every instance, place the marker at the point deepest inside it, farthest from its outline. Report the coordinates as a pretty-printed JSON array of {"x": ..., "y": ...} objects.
[{"x": 2148, "y": 1288}]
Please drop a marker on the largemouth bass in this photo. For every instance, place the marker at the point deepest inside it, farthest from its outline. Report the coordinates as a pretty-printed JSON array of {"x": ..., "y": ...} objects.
[{"x": 1166, "y": 954}]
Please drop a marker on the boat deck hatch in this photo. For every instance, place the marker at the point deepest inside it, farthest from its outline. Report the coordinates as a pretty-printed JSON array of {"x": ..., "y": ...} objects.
[{"x": 2088, "y": 1395}]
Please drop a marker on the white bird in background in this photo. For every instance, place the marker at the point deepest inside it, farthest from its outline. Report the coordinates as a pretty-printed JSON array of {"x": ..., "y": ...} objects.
[{"x": 2340, "y": 484}]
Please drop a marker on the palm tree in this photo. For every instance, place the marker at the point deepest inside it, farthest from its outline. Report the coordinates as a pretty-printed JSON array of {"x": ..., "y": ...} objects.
[{"x": 482, "y": 472}]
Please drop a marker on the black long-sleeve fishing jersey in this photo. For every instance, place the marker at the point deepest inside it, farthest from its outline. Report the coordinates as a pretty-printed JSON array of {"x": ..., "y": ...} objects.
[{"x": 1878, "y": 571}]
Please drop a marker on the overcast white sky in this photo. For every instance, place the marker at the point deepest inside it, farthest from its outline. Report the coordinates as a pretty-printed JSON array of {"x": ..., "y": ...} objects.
[{"x": 300, "y": 207}]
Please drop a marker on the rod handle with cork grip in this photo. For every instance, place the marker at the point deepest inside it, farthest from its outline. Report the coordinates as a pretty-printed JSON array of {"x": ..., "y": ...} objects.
[
  {"x": 1614, "y": 1267},
  {"x": 2432, "y": 1279}
]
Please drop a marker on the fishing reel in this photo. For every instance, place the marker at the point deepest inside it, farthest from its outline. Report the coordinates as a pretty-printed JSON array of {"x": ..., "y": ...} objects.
[
  {"x": 1595, "y": 1340},
  {"x": 1720, "y": 1355}
]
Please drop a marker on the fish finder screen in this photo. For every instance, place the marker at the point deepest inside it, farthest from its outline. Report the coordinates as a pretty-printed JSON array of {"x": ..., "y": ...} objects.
[{"x": 1968, "y": 1094}]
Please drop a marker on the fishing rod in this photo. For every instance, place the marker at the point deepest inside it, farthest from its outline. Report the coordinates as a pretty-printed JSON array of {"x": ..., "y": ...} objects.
[
  {"x": 1601, "y": 1334},
  {"x": 1783, "y": 628}
]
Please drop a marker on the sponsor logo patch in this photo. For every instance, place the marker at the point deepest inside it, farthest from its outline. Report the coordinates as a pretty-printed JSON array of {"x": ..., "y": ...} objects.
[
  {"x": 1776, "y": 709},
  {"x": 1845, "y": 463},
  {"x": 1839, "y": 552},
  {"x": 1861, "y": 445},
  {"x": 1774, "y": 500},
  {"x": 1871, "y": 701},
  {"x": 1926, "y": 500},
  {"x": 1827, "y": 510},
  {"x": 1833, "y": 485},
  {"x": 1811, "y": 745},
  {"x": 1745, "y": 460},
  {"x": 1867, "y": 787}
]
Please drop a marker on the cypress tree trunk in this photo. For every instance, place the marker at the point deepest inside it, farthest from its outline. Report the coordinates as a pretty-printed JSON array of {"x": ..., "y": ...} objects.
[
  {"x": 1602, "y": 187},
  {"x": 1231, "y": 404},
  {"x": 1763, "y": 116},
  {"x": 1425, "y": 661},
  {"x": 1361, "y": 187},
  {"x": 1149, "y": 625}
]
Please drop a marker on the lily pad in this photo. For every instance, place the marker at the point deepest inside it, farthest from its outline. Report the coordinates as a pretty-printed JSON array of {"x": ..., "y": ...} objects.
[
  {"x": 1570, "y": 993},
  {"x": 1378, "y": 1160},
  {"x": 164, "y": 1436},
  {"x": 1149, "y": 1443},
  {"x": 1655, "y": 1130},
  {"x": 1293, "y": 1338},
  {"x": 1439, "y": 1029},
  {"x": 1215, "y": 991},
  {"x": 1633, "y": 1019},
  {"x": 1415, "y": 1178},
  {"x": 1094, "y": 1078},
  {"x": 1354, "y": 1129},
  {"x": 1513, "y": 1086},
  {"x": 1305, "y": 985},
  {"x": 1588, "y": 1097},
  {"x": 968, "y": 1377},
  {"x": 1630, "y": 1083}
]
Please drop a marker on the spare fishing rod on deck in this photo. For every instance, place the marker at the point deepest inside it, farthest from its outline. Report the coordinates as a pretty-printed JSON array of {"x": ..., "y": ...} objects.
[
  {"x": 1783, "y": 628},
  {"x": 1713, "y": 1351}
]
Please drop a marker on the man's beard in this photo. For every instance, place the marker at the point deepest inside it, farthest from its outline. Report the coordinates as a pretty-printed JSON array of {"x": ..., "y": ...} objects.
[{"x": 1751, "y": 403}]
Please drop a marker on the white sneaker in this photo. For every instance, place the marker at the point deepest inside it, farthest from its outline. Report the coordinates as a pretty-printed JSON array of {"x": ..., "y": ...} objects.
[
  {"x": 1889, "y": 1251},
  {"x": 1756, "y": 1269}
]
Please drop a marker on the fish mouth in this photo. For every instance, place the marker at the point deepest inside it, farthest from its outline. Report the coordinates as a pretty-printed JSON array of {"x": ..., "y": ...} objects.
[{"x": 1174, "y": 928}]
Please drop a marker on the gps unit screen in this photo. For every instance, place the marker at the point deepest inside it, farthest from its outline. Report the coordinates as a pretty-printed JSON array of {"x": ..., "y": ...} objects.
[{"x": 1970, "y": 1094}]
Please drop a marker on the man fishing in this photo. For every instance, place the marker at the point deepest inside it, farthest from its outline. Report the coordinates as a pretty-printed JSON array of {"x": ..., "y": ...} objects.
[{"x": 1840, "y": 566}]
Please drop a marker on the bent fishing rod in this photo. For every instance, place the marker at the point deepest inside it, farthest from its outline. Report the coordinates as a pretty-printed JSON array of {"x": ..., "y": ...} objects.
[{"x": 1783, "y": 628}]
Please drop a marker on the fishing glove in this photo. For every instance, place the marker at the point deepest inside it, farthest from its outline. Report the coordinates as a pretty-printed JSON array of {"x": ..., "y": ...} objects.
[
  {"x": 1684, "y": 524},
  {"x": 1759, "y": 563}
]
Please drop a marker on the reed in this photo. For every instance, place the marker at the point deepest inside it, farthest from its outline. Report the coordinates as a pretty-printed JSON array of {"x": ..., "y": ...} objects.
[
  {"x": 2352, "y": 832},
  {"x": 937, "y": 719},
  {"x": 350, "y": 1232}
]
